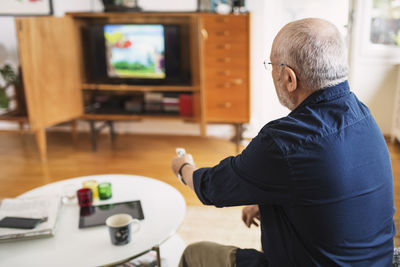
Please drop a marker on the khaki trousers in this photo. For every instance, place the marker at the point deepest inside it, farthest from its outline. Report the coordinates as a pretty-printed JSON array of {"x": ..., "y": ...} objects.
[{"x": 208, "y": 254}]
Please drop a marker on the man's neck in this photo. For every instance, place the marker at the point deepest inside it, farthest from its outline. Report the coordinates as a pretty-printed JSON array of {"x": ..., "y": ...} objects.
[{"x": 302, "y": 94}]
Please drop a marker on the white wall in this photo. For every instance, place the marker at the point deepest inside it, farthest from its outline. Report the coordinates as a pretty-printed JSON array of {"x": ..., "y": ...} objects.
[
  {"x": 269, "y": 17},
  {"x": 8, "y": 41},
  {"x": 373, "y": 74},
  {"x": 374, "y": 69}
]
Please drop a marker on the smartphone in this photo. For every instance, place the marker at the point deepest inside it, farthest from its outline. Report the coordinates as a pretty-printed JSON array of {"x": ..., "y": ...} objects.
[{"x": 20, "y": 223}]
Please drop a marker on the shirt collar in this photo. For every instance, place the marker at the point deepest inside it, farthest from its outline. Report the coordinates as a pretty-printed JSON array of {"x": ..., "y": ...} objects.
[{"x": 325, "y": 94}]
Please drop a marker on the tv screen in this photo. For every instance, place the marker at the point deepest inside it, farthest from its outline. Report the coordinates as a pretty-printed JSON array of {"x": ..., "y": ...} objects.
[
  {"x": 135, "y": 51},
  {"x": 138, "y": 54}
]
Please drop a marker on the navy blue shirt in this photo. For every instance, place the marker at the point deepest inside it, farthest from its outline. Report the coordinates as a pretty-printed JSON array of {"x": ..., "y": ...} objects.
[{"x": 322, "y": 178}]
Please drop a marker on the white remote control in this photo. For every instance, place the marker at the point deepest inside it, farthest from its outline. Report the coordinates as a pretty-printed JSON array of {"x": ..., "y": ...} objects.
[{"x": 180, "y": 151}]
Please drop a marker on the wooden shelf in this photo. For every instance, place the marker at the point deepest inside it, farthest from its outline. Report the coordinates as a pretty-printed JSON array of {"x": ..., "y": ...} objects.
[
  {"x": 14, "y": 116},
  {"x": 139, "y": 88},
  {"x": 128, "y": 117}
]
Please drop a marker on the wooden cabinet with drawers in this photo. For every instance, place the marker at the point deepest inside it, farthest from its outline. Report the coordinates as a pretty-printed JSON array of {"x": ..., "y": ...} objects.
[
  {"x": 56, "y": 79},
  {"x": 225, "y": 47}
]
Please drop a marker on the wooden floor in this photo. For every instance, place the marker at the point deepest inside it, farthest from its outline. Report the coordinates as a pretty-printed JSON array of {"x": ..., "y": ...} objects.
[{"x": 22, "y": 170}]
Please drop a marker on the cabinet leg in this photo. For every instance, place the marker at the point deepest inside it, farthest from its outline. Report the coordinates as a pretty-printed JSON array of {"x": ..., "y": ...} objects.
[
  {"x": 93, "y": 134},
  {"x": 238, "y": 136},
  {"x": 74, "y": 131},
  {"x": 41, "y": 143},
  {"x": 203, "y": 129},
  {"x": 112, "y": 130},
  {"x": 21, "y": 126}
]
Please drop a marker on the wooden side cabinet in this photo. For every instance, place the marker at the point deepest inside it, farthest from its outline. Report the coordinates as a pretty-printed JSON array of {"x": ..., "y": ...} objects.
[
  {"x": 55, "y": 68},
  {"x": 225, "y": 65}
]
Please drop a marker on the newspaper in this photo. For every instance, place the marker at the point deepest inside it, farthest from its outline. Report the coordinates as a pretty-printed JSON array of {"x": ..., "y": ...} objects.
[{"x": 37, "y": 207}]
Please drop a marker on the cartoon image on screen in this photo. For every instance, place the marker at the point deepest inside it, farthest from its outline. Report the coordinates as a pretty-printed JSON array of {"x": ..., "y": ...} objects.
[{"x": 135, "y": 51}]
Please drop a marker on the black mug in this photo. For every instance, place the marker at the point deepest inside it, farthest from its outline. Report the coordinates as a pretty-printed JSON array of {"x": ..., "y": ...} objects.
[{"x": 119, "y": 227}]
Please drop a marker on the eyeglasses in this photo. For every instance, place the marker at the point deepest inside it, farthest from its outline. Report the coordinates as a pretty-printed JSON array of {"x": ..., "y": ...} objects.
[{"x": 268, "y": 65}]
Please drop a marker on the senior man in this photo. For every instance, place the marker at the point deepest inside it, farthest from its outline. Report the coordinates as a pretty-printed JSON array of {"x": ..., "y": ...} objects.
[{"x": 319, "y": 180}]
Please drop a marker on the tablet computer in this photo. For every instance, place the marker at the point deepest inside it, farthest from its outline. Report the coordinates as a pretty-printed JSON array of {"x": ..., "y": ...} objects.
[{"x": 97, "y": 215}]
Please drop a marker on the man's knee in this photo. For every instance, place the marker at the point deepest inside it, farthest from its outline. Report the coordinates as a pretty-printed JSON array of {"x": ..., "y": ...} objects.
[
  {"x": 194, "y": 248},
  {"x": 195, "y": 251},
  {"x": 191, "y": 254},
  {"x": 205, "y": 253}
]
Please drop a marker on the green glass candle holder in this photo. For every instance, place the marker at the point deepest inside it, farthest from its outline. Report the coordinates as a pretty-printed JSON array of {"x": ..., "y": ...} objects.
[{"x": 105, "y": 191}]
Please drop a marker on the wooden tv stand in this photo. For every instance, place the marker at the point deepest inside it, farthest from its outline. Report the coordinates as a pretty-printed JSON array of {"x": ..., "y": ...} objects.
[{"x": 56, "y": 79}]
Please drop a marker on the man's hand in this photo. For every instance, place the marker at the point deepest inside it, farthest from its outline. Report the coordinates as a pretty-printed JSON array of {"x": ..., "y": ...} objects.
[
  {"x": 187, "y": 171},
  {"x": 177, "y": 162},
  {"x": 249, "y": 214}
]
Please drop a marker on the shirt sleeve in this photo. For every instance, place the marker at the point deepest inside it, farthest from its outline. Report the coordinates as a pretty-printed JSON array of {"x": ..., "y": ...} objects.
[{"x": 259, "y": 175}]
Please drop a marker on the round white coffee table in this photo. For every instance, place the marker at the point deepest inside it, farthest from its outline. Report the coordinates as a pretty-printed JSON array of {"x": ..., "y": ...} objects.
[{"x": 163, "y": 207}]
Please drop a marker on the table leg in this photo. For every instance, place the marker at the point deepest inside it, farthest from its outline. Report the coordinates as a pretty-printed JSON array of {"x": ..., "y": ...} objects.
[{"x": 157, "y": 250}]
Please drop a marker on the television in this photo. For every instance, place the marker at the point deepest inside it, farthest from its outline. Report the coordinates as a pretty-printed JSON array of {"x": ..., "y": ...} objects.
[{"x": 138, "y": 54}]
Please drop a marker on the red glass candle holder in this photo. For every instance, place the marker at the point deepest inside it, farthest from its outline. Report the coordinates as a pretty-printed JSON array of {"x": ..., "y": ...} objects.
[{"x": 85, "y": 197}]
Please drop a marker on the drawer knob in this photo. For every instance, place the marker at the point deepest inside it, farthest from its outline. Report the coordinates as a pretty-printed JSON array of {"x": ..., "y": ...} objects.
[
  {"x": 223, "y": 19},
  {"x": 223, "y": 33},
  {"x": 204, "y": 33},
  {"x": 228, "y": 104},
  {"x": 224, "y": 59},
  {"x": 238, "y": 81},
  {"x": 224, "y": 85},
  {"x": 225, "y": 72},
  {"x": 224, "y": 46}
]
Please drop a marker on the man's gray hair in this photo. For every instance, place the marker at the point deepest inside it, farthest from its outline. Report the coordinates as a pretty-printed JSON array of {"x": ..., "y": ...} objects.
[{"x": 316, "y": 51}]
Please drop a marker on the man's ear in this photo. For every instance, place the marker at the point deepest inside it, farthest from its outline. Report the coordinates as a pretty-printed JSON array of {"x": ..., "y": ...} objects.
[{"x": 291, "y": 84}]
